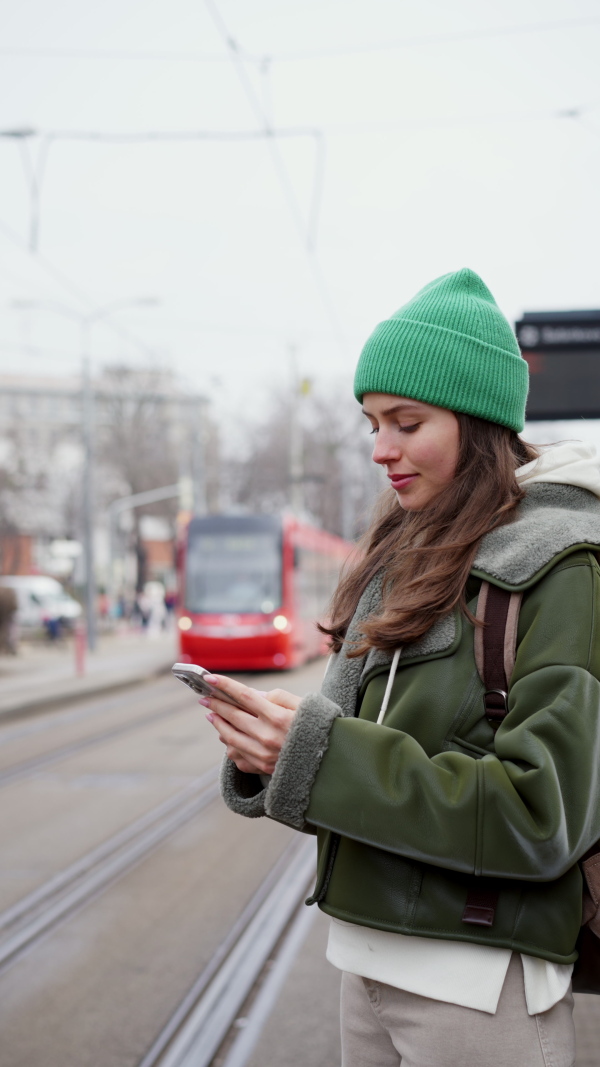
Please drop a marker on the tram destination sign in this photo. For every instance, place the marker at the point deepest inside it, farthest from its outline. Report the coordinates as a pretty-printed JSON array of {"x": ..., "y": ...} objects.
[{"x": 562, "y": 349}]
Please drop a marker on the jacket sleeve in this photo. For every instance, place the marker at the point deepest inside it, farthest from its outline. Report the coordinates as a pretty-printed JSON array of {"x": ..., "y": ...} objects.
[
  {"x": 252, "y": 795},
  {"x": 249, "y": 794},
  {"x": 243, "y": 793},
  {"x": 530, "y": 809}
]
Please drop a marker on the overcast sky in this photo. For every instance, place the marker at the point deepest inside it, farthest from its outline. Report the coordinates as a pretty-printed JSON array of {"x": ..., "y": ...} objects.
[{"x": 429, "y": 135}]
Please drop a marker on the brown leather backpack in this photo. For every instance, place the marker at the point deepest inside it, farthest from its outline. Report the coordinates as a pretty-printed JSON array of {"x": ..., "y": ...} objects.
[{"x": 495, "y": 652}]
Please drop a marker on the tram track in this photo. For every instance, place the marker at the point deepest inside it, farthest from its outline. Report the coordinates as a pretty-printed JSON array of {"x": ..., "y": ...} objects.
[
  {"x": 35, "y": 915},
  {"x": 126, "y": 924},
  {"x": 89, "y": 707},
  {"x": 26, "y": 768},
  {"x": 274, "y": 918}
]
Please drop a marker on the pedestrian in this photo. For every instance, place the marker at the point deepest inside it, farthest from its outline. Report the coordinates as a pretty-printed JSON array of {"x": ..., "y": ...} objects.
[
  {"x": 8, "y": 620},
  {"x": 447, "y": 849}
]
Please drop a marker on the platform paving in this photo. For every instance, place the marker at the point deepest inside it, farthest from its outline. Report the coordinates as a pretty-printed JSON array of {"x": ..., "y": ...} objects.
[{"x": 44, "y": 675}]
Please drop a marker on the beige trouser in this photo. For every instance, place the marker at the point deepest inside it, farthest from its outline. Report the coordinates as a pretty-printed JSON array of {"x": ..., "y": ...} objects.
[{"x": 385, "y": 1027}]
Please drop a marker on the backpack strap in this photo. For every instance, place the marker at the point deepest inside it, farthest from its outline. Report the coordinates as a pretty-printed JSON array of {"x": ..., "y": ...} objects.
[
  {"x": 495, "y": 653},
  {"x": 495, "y": 647}
]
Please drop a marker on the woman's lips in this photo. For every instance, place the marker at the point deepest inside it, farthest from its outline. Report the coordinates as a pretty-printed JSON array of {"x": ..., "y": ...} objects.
[{"x": 400, "y": 481}]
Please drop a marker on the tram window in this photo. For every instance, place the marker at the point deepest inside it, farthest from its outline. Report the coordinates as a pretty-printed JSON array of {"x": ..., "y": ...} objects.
[
  {"x": 312, "y": 598},
  {"x": 233, "y": 573}
]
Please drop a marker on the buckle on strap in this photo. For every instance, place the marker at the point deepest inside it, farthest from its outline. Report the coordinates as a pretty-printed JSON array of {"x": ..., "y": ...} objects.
[
  {"x": 480, "y": 907},
  {"x": 495, "y": 703}
]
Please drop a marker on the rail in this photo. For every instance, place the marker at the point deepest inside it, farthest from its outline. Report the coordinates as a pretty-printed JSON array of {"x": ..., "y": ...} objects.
[
  {"x": 204, "y": 1018},
  {"x": 48, "y": 759},
  {"x": 57, "y": 900}
]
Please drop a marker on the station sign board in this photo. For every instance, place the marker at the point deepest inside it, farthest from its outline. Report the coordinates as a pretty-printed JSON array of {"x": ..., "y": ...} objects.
[{"x": 562, "y": 349}]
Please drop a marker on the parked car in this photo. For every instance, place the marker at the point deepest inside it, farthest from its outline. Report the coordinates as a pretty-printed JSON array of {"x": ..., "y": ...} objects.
[{"x": 41, "y": 600}]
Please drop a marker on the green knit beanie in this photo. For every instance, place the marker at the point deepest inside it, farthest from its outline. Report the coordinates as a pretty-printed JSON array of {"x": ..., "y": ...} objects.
[{"x": 450, "y": 346}]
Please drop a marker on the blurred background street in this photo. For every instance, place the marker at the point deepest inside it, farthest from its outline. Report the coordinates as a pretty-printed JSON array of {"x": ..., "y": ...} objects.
[{"x": 205, "y": 209}]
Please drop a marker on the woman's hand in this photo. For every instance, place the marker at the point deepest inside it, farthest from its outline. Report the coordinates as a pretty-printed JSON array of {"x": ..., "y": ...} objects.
[
  {"x": 242, "y": 764},
  {"x": 254, "y": 736}
]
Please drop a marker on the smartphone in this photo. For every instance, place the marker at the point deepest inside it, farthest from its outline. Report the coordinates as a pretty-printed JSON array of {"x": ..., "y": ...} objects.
[{"x": 193, "y": 676}]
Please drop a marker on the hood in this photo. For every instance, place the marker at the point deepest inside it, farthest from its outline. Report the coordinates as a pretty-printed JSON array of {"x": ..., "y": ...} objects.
[{"x": 568, "y": 463}]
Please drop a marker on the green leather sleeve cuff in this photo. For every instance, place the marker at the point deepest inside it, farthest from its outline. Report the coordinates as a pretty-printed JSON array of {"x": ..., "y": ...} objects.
[
  {"x": 289, "y": 791},
  {"x": 243, "y": 793}
]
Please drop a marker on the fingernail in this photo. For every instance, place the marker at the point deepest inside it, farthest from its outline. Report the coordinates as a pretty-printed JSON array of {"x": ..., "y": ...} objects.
[
  {"x": 210, "y": 717},
  {"x": 212, "y": 679},
  {"x": 205, "y": 701}
]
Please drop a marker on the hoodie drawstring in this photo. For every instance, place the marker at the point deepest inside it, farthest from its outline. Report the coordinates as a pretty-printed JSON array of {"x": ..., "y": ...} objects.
[{"x": 388, "y": 688}]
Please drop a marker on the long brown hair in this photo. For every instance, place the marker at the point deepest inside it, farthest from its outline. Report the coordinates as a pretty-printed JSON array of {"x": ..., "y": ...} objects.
[{"x": 427, "y": 555}]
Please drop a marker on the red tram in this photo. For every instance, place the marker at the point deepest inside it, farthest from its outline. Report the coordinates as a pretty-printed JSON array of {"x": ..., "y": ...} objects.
[{"x": 251, "y": 588}]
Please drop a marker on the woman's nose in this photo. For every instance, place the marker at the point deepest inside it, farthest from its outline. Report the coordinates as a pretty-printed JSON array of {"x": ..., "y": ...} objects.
[{"x": 386, "y": 449}]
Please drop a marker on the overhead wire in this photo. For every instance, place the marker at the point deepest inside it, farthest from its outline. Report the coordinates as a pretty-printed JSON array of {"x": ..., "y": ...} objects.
[
  {"x": 417, "y": 41},
  {"x": 75, "y": 291},
  {"x": 423, "y": 40},
  {"x": 138, "y": 136},
  {"x": 109, "y": 53},
  {"x": 34, "y": 170},
  {"x": 268, "y": 131},
  {"x": 307, "y": 236},
  {"x": 240, "y": 57},
  {"x": 575, "y": 111}
]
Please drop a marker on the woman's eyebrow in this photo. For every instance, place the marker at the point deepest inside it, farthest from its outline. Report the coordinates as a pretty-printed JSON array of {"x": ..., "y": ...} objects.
[{"x": 392, "y": 411}]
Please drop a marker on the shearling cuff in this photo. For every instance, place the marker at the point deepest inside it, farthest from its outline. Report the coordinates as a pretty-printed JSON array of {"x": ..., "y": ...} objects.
[
  {"x": 243, "y": 793},
  {"x": 288, "y": 794}
]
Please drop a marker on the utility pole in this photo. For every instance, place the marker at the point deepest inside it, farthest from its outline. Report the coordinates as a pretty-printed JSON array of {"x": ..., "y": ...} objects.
[
  {"x": 347, "y": 466},
  {"x": 128, "y": 503},
  {"x": 296, "y": 463},
  {"x": 300, "y": 389},
  {"x": 88, "y": 485},
  {"x": 200, "y": 504}
]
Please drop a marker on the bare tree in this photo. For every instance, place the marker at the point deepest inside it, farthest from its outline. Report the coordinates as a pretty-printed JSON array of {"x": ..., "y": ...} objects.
[
  {"x": 34, "y": 488},
  {"x": 335, "y": 468},
  {"x": 136, "y": 442}
]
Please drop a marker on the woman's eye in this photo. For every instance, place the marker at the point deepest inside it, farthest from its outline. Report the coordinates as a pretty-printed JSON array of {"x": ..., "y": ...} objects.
[
  {"x": 410, "y": 429},
  {"x": 374, "y": 430}
]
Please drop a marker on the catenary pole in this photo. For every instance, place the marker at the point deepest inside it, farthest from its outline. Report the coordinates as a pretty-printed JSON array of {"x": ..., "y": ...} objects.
[{"x": 88, "y": 485}]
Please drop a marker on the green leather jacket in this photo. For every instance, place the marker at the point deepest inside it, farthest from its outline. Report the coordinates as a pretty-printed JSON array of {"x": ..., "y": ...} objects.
[{"x": 414, "y": 813}]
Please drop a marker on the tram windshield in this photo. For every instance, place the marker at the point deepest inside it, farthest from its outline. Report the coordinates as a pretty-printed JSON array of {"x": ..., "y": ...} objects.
[{"x": 233, "y": 571}]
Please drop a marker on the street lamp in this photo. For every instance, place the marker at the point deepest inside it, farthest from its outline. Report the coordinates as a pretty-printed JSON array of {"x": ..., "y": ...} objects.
[
  {"x": 85, "y": 322},
  {"x": 18, "y": 133}
]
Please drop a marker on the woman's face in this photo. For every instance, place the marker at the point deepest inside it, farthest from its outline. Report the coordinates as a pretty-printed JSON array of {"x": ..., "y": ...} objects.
[{"x": 417, "y": 444}]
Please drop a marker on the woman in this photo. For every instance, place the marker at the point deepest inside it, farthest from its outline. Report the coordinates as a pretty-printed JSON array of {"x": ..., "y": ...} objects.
[{"x": 417, "y": 802}]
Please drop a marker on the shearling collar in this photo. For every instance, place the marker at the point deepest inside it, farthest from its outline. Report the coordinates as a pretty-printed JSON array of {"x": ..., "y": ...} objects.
[
  {"x": 551, "y": 520},
  {"x": 343, "y": 677}
]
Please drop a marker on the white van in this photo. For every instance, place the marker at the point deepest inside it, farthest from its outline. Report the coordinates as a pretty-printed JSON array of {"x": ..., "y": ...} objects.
[{"x": 39, "y": 598}]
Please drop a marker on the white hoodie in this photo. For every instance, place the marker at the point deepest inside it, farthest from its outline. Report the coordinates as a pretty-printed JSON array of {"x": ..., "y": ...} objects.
[{"x": 569, "y": 463}]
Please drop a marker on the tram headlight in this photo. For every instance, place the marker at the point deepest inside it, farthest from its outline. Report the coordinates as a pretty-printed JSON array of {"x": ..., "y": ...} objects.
[
  {"x": 280, "y": 622},
  {"x": 185, "y": 623}
]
